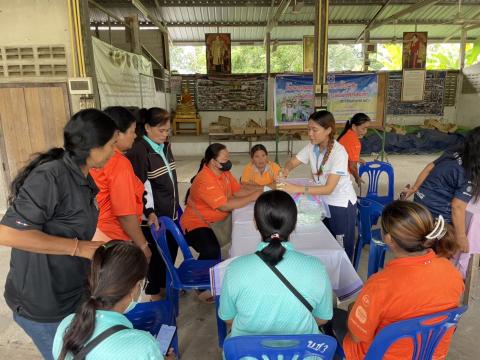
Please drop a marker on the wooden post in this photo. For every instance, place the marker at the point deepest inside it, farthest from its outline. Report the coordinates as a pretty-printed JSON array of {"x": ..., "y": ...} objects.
[
  {"x": 134, "y": 31},
  {"x": 366, "y": 40},
  {"x": 320, "y": 70},
  {"x": 88, "y": 49}
]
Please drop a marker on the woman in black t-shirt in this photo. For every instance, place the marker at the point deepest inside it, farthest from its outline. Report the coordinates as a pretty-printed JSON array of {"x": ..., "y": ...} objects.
[
  {"x": 51, "y": 218},
  {"x": 446, "y": 185}
]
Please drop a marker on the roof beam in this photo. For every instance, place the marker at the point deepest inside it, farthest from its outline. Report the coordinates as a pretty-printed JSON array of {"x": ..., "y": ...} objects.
[
  {"x": 344, "y": 41},
  {"x": 372, "y": 21},
  {"x": 289, "y": 23},
  {"x": 237, "y": 3},
  {"x": 140, "y": 7},
  {"x": 409, "y": 10},
  {"x": 272, "y": 21}
]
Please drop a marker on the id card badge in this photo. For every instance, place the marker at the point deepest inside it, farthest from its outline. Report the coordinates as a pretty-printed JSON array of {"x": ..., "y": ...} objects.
[{"x": 165, "y": 337}]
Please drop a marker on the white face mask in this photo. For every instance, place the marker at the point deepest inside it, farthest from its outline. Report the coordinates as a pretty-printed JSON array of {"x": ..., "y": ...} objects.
[{"x": 133, "y": 303}]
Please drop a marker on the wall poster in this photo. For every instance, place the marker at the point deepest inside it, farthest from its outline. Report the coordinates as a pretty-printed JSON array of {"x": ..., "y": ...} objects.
[
  {"x": 414, "y": 54},
  {"x": 349, "y": 94},
  {"x": 219, "y": 51},
  {"x": 293, "y": 99}
]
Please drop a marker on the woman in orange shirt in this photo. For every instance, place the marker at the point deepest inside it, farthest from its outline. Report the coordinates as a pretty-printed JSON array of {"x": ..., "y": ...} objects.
[
  {"x": 260, "y": 170},
  {"x": 419, "y": 281},
  {"x": 120, "y": 197},
  {"x": 354, "y": 130},
  {"x": 213, "y": 195}
]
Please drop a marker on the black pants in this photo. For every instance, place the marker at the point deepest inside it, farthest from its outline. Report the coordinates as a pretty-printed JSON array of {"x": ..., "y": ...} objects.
[
  {"x": 342, "y": 223},
  {"x": 204, "y": 241},
  {"x": 338, "y": 326},
  {"x": 157, "y": 270}
]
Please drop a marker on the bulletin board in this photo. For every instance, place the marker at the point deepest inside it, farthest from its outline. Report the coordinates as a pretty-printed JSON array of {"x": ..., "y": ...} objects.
[
  {"x": 231, "y": 93},
  {"x": 433, "y": 101}
]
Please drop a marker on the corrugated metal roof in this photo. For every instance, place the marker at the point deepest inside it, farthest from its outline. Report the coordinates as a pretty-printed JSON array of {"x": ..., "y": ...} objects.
[{"x": 189, "y": 24}]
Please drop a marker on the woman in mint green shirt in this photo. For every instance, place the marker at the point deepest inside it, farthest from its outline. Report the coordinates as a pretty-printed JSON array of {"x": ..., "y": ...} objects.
[
  {"x": 254, "y": 300},
  {"x": 117, "y": 273}
]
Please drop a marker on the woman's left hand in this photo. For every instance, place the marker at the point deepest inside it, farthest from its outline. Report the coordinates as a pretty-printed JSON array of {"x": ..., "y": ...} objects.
[{"x": 170, "y": 355}]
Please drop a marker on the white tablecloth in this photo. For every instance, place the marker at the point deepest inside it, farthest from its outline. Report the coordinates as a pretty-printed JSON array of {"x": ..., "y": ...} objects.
[{"x": 313, "y": 240}]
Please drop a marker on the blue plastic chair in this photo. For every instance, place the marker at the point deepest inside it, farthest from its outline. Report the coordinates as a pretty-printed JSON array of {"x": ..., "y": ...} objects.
[
  {"x": 374, "y": 169},
  {"x": 179, "y": 216},
  {"x": 191, "y": 274},
  {"x": 149, "y": 316},
  {"x": 368, "y": 210},
  {"x": 286, "y": 347},
  {"x": 221, "y": 325},
  {"x": 424, "y": 334}
]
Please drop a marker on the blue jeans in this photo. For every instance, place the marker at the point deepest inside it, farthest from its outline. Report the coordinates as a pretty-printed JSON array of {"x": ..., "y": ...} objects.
[{"x": 42, "y": 334}]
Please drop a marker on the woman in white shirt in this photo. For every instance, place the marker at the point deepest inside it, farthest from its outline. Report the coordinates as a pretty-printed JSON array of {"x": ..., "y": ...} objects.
[{"x": 329, "y": 163}]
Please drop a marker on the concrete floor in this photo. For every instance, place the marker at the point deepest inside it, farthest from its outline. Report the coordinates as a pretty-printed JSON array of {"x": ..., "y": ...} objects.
[{"x": 196, "y": 323}]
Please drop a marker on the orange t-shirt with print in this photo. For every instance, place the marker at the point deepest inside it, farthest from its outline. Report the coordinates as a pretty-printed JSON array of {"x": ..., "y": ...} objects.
[
  {"x": 352, "y": 145},
  {"x": 207, "y": 193},
  {"x": 120, "y": 194},
  {"x": 407, "y": 288},
  {"x": 251, "y": 175}
]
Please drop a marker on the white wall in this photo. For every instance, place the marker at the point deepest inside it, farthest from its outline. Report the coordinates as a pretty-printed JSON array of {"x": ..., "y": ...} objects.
[
  {"x": 469, "y": 110},
  {"x": 34, "y": 22}
]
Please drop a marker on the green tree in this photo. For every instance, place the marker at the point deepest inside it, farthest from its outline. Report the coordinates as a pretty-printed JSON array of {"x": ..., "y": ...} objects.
[
  {"x": 188, "y": 59},
  {"x": 472, "y": 53},
  {"x": 443, "y": 56},
  {"x": 345, "y": 57},
  {"x": 388, "y": 57},
  {"x": 287, "y": 58},
  {"x": 248, "y": 59}
]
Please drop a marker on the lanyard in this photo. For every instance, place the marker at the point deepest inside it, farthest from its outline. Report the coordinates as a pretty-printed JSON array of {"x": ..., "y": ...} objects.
[{"x": 158, "y": 148}]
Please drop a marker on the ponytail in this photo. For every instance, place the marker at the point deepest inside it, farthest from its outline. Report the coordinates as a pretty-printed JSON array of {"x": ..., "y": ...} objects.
[
  {"x": 275, "y": 214},
  {"x": 273, "y": 253},
  {"x": 116, "y": 268},
  {"x": 348, "y": 126},
  {"x": 446, "y": 246},
  {"x": 38, "y": 159},
  {"x": 357, "y": 120},
  {"x": 80, "y": 330}
]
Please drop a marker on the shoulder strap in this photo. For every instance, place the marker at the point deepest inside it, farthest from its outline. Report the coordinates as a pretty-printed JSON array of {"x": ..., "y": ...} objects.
[
  {"x": 287, "y": 283},
  {"x": 97, "y": 340}
]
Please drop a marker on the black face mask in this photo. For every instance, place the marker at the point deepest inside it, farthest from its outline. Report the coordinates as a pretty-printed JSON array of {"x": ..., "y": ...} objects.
[{"x": 226, "y": 166}]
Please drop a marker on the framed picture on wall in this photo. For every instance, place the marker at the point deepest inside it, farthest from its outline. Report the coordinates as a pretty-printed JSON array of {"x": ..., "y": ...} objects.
[
  {"x": 219, "y": 60},
  {"x": 308, "y": 49},
  {"x": 414, "y": 54}
]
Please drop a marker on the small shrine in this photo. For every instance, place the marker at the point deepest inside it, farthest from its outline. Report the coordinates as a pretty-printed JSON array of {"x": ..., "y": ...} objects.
[{"x": 186, "y": 113}]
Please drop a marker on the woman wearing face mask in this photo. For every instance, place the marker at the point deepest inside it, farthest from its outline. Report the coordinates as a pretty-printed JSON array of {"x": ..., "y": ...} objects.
[
  {"x": 116, "y": 279},
  {"x": 354, "y": 130},
  {"x": 120, "y": 198},
  {"x": 49, "y": 224},
  {"x": 153, "y": 162},
  {"x": 213, "y": 195},
  {"x": 329, "y": 163}
]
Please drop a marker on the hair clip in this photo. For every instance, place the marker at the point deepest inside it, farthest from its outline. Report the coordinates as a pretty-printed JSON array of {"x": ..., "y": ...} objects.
[
  {"x": 439, "y": 230},
  {"x": 275, "y": 236}
]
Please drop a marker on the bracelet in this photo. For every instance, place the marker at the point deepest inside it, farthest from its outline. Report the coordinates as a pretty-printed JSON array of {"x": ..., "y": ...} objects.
[
  {"x": 305, "y": 191},
  {"x": 76, "y": 247}
]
